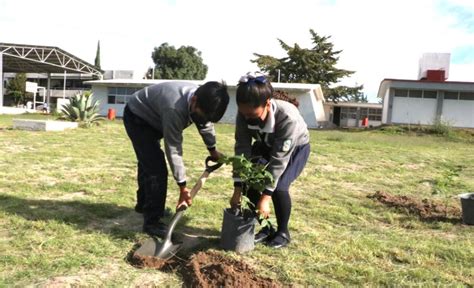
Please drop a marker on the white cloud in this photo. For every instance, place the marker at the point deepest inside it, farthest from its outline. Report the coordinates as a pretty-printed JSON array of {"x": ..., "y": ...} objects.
[{"x": 379, "y": 39}]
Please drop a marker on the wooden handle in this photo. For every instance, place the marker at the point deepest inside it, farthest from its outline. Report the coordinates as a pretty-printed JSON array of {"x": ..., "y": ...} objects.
[{"x": 199, "y": 183}]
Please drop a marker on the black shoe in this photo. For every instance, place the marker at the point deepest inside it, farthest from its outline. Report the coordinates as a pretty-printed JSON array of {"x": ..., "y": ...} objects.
[
  {"x": 158, "y": 229},
  {"x": 264, "y": 234},
  {"x": 280, "y": 240},
  {"x": 139, "y": 208}
]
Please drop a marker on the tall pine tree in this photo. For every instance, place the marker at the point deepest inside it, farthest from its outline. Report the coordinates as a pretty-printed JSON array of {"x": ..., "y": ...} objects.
[
  {"x": 314, "y": 65},
  {"x": 97, "y": 56}
]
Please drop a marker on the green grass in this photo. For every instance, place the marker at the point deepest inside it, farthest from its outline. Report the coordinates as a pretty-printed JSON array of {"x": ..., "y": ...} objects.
[{"x": 66, "y": 209}]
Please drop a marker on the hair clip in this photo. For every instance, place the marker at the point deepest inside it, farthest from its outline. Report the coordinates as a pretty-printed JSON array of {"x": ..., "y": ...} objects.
[{"x": 256, "y": 77}]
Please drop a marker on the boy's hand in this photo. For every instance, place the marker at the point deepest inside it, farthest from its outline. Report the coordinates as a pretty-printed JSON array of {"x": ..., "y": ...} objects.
[
  {"x": 215, "y": 155},
  {"x": 184, "y": 198}
]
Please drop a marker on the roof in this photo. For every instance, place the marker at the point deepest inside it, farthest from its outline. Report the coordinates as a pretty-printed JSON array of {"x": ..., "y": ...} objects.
[
  {"x": 354, "y": 104},
  {"x": 42, "y": 59},
  {"x": 427, "y": 81},
  {"x": 142, "y": 82},
  {"x": 423, "y": 84}
]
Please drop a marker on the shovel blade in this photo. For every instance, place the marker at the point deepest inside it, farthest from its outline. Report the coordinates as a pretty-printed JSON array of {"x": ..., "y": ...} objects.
[{"x": 154, "y": 248}]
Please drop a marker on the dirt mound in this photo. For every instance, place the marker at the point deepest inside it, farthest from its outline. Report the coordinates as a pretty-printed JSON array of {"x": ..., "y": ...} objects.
[
  {"x": 207, "y": 269},
  {"x": 424, "y": 208}
]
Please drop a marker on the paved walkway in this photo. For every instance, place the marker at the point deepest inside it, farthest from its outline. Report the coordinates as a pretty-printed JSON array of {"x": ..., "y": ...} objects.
[{"x": 15, "y": 110}]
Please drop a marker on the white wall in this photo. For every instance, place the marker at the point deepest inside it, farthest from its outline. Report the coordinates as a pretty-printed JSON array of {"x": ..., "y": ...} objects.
[
  {"x": 413, "y": 110},
  {"x": 100, "y": 94},
  {"x": 458, "y": 113},
  {"x": 385, "y": 106},
  {"x": 310, "y": 99}
]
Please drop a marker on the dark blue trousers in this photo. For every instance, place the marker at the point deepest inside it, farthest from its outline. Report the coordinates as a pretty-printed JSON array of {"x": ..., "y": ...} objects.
[
  {"x": 281, "y": 197},
  {"x": 152, "y": 173}
]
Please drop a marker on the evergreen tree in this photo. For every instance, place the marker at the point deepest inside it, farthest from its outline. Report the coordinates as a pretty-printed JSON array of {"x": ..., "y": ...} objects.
[
  {"x": 16, "y": 88},
  {"x": 182, "y": 63},
  {"x": 314, "y": 65},
  {"x": 97, "y": 56}
]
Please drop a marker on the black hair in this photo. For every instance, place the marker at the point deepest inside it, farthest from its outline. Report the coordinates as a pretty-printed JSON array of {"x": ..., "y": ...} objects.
[
  {"x": 212, "y": 99},
  {"x": 254, "y": 93}
]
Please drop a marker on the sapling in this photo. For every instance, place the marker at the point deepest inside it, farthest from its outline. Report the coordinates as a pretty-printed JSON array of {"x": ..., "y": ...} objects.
[{"x": 253, "y": 176}]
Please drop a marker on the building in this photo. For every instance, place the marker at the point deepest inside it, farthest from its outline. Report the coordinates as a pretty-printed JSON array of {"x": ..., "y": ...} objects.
[
  {"x": 114, "y": 94},
  {"x": 44, "y": 61},
  {"x": 349, "y": 114},
  {"x": 430, "y": 98}
]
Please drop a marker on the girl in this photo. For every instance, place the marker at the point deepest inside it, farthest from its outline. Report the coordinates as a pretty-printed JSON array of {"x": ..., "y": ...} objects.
[{"x": 274, "y": 131}]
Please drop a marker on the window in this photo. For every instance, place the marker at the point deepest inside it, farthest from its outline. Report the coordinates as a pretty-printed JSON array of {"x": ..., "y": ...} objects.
[
  {"x": 349, "y": 113},
  {"x": 415, "y": 93},
  {"x": 375, "y": 114},
  {"x": 375, "y": 118},
  {"x": 430, "y": 94},
  {"x": 119, "y": 95},
  {"x": 466, "y": 96},
  {"x": 451, "y": 95},
  {"x": 375, "y": 111},
  {"x": 401, "y": 93}
]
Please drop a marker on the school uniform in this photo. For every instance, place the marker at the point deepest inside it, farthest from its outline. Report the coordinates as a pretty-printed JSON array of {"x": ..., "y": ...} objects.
[
  {"x": 284, "y": 142},
  {"x": 156, "y": 112}
]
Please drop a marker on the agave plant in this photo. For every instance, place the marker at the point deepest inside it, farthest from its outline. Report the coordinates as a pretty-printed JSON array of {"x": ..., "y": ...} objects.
[{"x": 81, "y": 108}]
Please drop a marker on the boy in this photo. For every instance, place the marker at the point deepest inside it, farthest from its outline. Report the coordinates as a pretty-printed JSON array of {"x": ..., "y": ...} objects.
[{"x": 163, "y": 111}]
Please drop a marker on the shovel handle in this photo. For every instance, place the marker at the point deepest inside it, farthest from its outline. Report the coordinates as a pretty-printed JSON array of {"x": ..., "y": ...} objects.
[
  {"x": 212, "y": 168},
  {"x": 200, "y": 182}
]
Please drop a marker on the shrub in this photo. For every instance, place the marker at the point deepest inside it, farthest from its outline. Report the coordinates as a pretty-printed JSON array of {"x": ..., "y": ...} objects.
[{"x": 442, "y": 128}]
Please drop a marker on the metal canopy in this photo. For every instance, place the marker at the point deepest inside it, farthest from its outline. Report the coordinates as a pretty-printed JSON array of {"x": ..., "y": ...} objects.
[{"x": 42, "y": 59}]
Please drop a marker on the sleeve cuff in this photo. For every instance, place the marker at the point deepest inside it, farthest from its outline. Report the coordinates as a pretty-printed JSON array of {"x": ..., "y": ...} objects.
[
  {"x": 267, "y": 192},
  {"x": 182, "y": 184},
  {"x": 212, "y": 148}
]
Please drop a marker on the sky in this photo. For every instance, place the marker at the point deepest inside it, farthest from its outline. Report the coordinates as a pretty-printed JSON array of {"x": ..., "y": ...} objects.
[{"x": 379, "y": 39}]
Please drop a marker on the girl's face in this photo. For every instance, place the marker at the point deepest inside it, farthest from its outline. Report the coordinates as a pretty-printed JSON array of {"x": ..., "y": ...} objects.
[{"x": 254, "y": 115}]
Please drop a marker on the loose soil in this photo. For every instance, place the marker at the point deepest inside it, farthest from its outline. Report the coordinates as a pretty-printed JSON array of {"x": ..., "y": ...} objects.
[
  {"x": 426, "y": 209},
  {"x": 208, "y": 269}
]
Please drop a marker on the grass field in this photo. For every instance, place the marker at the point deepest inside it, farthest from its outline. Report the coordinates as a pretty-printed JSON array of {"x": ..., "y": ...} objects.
[{"x": 67, "y": 218}]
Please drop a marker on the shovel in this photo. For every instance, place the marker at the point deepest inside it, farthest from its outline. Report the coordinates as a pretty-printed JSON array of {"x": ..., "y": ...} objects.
[{"x": 167, "y": 249}]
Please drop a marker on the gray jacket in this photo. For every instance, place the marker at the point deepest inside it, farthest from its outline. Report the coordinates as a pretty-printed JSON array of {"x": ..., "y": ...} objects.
[
  {"x": 284, "y": 130},
  {"x": 166, "y": 107}
]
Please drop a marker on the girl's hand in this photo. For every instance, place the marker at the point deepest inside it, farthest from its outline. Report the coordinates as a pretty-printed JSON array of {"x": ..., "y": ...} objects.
[
  {"x": 263, "y": 206},
  {"x": 235, "y": 200}
]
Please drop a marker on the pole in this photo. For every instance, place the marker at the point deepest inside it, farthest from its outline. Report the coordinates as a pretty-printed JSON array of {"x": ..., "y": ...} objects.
[
  {"x": 64, "y": 85},
  {"x": 1, "y": 79},
  {"x": 48, "y": 86},
  {"x": 278, "y": 75}
]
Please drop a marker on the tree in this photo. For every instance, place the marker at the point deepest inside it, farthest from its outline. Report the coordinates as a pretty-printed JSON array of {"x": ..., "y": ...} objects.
[
  {"x": 182, "y": 63},
  {"x": 360, "y": 98},
  {"x": 16, "y": 88},
  {"x": 97, "y": 56},
  {"x": 315, "y": 65}
]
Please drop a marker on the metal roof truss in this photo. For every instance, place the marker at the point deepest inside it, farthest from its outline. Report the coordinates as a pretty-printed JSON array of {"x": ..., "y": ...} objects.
[{"x": 24, "y": 58}]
